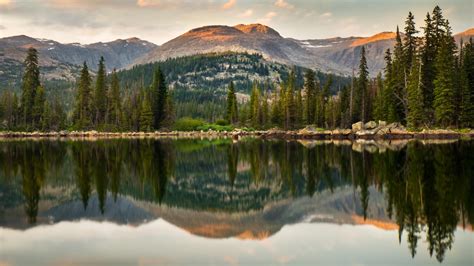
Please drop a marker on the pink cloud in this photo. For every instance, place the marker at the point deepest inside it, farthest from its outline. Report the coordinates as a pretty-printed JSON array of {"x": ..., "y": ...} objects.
[{"x": 229, "y": 4}]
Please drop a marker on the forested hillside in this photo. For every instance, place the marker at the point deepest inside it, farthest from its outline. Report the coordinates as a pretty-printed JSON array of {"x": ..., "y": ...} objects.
[{"x": 199, "y": 83}]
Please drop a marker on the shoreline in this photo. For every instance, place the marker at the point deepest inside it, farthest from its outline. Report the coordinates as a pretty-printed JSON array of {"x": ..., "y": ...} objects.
[{"x": 304, "y": 134}]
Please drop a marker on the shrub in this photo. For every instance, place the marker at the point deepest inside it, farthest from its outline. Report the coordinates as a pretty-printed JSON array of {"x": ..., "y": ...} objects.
[
  {"x": 188, "y": 124},
  {"x": 222, "y": 122}
]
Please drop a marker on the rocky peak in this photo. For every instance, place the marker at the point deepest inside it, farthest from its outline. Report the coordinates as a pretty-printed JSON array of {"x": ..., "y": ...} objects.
[
  {"x": 386, "y": 35},
  {"x": 257, "y": 29}
]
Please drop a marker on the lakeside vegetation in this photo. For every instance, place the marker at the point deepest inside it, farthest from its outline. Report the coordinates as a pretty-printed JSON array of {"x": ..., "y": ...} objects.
[{"x": 427, "y": 83}]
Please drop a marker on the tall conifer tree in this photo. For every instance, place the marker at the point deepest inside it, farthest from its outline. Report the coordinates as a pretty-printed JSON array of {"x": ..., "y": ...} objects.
[
  {"x": 100, "y": 95},
  {"x": 30, "y": 83}
]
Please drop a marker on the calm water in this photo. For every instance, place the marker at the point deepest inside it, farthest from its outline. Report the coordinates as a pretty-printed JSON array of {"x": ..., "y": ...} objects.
[{"x": 224, "y": 202}]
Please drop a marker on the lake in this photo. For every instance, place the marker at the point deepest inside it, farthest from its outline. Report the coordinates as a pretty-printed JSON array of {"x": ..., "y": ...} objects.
[{"x": 236, "y": 202}]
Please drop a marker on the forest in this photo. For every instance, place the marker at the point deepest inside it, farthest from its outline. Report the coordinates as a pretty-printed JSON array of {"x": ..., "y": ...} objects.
[{"x": 428, "y": 82}]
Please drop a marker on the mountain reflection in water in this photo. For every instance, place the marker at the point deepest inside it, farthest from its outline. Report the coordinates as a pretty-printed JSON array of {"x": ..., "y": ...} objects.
[{"x": 247, "y": 189}]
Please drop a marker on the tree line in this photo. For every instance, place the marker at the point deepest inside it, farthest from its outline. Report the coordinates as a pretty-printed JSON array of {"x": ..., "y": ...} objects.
[
  {"x": 102, "y": 106},
  {"x": 427, "y": 82}
]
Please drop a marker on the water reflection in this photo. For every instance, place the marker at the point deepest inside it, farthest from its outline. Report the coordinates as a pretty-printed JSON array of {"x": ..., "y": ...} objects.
[{"x": 425, "y": 189}]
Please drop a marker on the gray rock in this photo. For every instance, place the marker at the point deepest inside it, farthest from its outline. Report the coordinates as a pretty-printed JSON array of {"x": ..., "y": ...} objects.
[
  {"x": 357, "y": 126},
  {"x": 370, "y": 125}
]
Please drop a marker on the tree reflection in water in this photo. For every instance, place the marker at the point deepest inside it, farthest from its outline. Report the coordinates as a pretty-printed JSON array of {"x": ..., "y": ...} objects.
[{"x": 429, "y": 188}]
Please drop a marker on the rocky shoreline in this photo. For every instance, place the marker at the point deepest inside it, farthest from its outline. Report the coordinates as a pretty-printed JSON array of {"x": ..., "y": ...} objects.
[{"x": 359, "y": 131}]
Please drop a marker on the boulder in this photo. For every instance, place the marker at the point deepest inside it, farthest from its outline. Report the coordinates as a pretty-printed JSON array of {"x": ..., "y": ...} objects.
[
  {"x": 382, "y": 123},
  {"x": 370, "y": 125},
  {"x": 357, "y": 126},
  {"x": 308, "y": 130}
]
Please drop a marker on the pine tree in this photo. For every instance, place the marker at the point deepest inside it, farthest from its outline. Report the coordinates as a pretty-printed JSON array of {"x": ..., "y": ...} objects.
[
  {"x": 169, "y": 112},
  {"x": 265, "y": 111},
  {"x": 277, "y": 108},
  {"x": 380, "y": 109},
  {"x": 83, "y": 115},
  {"x": 146, "y": 116},
  {"x": 231, "y": 114},
  {"x": 46, "y": 121},
  {"x": 289, "y": 102},
  {"x": 409, "y": 40},
  {"x": 299, "y": 109},
  {"x": 159, "y": 92},
  {"x": 389, "y": 93},
  {"x": 428, "y": 54},
  {"x": 114, "y": 102},
  {"x": 362, "y": 84},
  {"x": 38, "y": 108},
  {"x": 255, "y": 111},
  {"x": 399, "y": 78},
  {"x": 467, "y": 85},
  {"x": 444, "y": 91},
  {"x": 310, "y": 92},
  {"x": 100, "y": 96},
  {"x": 325, "y": 94},
  {"x": 30, "y": 83},
  {"x": 415, "y": 106}
]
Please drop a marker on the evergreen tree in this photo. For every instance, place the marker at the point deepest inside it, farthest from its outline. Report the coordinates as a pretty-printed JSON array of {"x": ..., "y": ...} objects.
[
  {"x": 289, "y": 102},
  {"x": 409, "y": 40},
  {"x": 46, "y": 121},
  {"x": 169, "y": 112},
  {"x": 299, "y": 109},
  {"x": 159, "y": 93},
  {"x": 277, "y": 111},
  {"x": 361, "y": 100},
  {"x": 444, "y": 91},
  {"x": 400, "y": 74},
  {"x": 231, "y": 114},
  {"x": 83, "y": 115},
  {"x": 146, "y": 116},
  {"x": 255, "y": 112},
  {"x": 30, "y": 83},
  {"x": 380, "y": 109},
  {"x": 389, "y": 93},
  {"x": 467, "y": 85},
  {"x": 38, "y": 107},
  {"x": 415, "y": 107},
  {"x": 325, "y": 94},
  {"x": 114, "y": 102},
  {"x": 310, "y": 95},
  {"x": 265, "y": 111},
  {"x": 428, "y": 54},
  {"x": 100, "y": 96}
]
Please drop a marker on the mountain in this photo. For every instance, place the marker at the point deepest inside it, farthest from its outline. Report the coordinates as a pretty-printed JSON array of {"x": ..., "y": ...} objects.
[
  {"x": 63, "y": 61},
  {"x": 335, "y": 55},
  {"x": 252, "y": 38},
  {"x": 345, "y": 52},
  {"x": 465, "y": 35}
]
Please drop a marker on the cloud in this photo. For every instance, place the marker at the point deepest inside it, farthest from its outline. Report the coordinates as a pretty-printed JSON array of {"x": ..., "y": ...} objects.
[
  {"x": 283, "y": 4},
  {"x": 229, "y": 4},
  {"x": 247, "y": 13},
  {"x": 326, "y": 15},
  {"x": 5, "y": 2},
  {"x": 268, "y": 17},
  {"x": 147, "y": 3}
]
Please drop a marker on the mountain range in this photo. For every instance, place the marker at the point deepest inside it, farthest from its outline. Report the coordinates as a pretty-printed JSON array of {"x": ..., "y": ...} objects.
[{"x": 334, "y": 55}]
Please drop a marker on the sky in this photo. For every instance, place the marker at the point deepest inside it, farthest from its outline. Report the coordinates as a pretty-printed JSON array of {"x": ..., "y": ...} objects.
[{"x": 88, "y": 21}]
